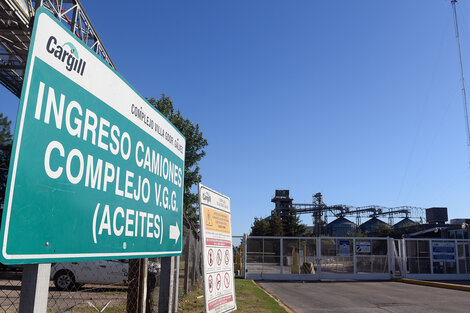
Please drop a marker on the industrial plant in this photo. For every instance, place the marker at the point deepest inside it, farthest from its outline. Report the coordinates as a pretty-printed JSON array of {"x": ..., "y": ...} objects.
[{"x": 403, "y": 221}]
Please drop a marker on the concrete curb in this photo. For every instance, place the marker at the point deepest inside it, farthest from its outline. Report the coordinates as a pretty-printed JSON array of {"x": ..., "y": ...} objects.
[
  {"x": 432, "y": 284},
  {"x": 285, "y": 307}
]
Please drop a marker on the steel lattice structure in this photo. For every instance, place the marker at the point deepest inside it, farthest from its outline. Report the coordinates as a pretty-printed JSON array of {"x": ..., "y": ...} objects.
[
  {"x": 320, "y": 211},
  {"x": 16, "y": 20}
]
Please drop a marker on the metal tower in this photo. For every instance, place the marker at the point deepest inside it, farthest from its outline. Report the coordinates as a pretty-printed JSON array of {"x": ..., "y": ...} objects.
[{"x": 16, "y": 20}]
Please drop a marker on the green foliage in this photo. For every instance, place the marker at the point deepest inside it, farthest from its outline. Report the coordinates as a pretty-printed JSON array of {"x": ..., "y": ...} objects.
[
  {"x": 384, "y": 231},
  {"x": 195, "y": 144},
  {"x": 292, "y": 225},
  {"x": 6, "y": 142},
  {"x": 260, "y": 227},
  {"x": 275, "y": 224},
  {"x": 387, "y": 231},
  {"x": 357, "y": 233}
]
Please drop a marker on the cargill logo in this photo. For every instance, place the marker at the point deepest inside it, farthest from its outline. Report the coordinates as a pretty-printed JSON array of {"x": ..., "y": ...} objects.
[
  {"x": 206, "y": 197},
  {"x": 67, "y": 54}
]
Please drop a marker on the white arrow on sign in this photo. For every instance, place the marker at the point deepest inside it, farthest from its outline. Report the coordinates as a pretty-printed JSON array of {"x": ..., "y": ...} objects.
[{"x": 175, "y": 232}]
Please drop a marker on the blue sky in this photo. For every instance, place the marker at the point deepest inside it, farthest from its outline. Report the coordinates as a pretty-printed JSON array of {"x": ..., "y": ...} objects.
[{"x": 359, "y": 100}]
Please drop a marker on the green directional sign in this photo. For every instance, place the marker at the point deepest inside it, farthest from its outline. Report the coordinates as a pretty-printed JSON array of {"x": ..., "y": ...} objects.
[{"x": 96, "y": 172}]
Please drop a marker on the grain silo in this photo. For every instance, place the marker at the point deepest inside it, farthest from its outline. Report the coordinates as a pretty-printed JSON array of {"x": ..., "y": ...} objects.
[
  {"x": 406, "y": 222},
  {"x": 340, "y": 227},
  {"x": 372, "y": 225}
]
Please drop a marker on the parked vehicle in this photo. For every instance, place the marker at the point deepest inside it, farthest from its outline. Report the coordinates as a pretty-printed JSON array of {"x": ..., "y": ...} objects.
[
  {"x": 71, "y": 275},
  {"x": 68, "y": 275}
]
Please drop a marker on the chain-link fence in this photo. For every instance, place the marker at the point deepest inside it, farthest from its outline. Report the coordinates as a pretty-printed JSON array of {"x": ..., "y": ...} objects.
[
  {"x": 112, "y": 286},
  {"x": 190, "y": 273},
  {"x": 88, "y": 286},
  {"x": 10, "y": 286}
]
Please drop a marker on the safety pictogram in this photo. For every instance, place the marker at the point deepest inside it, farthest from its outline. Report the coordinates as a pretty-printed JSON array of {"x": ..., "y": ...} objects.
[
  {"x": 227, "y": 257},
  {"x": 211, "y": 283},
  {"x": 219, "y": 257},
  {"x": 218, "y": 281},
  {"x": 226, "y": 280},
  {"x": 210, "y": 257}
]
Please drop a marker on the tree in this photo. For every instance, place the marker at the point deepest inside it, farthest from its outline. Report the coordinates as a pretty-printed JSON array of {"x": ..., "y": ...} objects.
[
  {"x": 260, "y": 227},
  {"x": 292, "y": 225},
  {"x": 275, "y": 225},
  {"x": 384, "y": 230},
  {"x": 357, "y": 233},
  {"x": 6, "y": 142},
  {"x": 195, "y": 144}
]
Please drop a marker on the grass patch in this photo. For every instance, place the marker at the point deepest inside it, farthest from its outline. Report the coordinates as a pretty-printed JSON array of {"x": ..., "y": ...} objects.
[{"x": 250, "y": 299}]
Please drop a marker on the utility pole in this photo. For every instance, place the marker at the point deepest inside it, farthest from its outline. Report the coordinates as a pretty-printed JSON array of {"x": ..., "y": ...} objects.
[{"x": 464, "y": 93}]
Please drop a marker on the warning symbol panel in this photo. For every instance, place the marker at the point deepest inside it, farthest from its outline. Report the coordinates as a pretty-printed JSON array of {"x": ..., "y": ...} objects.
[
  {"x": 210, "y": 257},
  {"x": 218, "y": 281},
  {"x": 219, "y": 257},
  {"x": 211, "y": 283},
  {"x": 226, "y": 280},
  {"x": 227, "y": 257}
]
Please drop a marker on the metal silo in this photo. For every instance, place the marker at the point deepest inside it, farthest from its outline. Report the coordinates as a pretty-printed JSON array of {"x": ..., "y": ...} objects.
[
  {"x": 340, "y": 227},
  {"x": 406, "y": 222},
  {"x": 371, "y": 225}
]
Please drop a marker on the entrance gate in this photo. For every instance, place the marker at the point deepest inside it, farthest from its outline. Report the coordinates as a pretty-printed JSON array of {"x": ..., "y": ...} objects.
[
  {"x": 360, "y": 258},
  {"x": 436, "y": 259}
]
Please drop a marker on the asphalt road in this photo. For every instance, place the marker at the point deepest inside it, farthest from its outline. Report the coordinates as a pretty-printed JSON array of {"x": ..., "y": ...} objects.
[{"x": 354, "y": 296}]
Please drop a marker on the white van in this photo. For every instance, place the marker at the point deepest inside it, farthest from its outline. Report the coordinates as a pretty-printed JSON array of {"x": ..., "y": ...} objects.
[
  {"x": 71, "y": 275},
  {"x": 68, "y": 275}
]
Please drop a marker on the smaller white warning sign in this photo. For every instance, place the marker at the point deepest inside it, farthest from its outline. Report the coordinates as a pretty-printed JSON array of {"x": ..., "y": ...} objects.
[{"x": 219, "y": 288}]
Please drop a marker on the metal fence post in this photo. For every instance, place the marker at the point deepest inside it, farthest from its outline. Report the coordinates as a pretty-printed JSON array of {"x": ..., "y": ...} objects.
[
  {"x": 262, "y": 260},
  {"x": 35, "y": 288},
  {"x": 165, "y": 303},
  {"x": 354, "y": 256},
  {"x": 393, "y": 257},
  {"x": 431, "y": 257},
  {"x": 318, "y": 250},
  {"x": 404, "y": 258},
  {"x": 144, "y": 267},
  {"x": 137, "y": 290},
  {"x": 186, "y": 261},
  {"x": 177, "y": 284},
  {"x": 282, "y": 256},
  {"x": 245, "y": 251},
  {"x": 194, "y": 243}
]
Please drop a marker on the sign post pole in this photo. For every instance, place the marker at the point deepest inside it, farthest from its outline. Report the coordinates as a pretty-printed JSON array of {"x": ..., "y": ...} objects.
[
  {"x": 165, "y": 302},
  {"x": 35, "y": 288},
  {"x": 176, "y": 280}
]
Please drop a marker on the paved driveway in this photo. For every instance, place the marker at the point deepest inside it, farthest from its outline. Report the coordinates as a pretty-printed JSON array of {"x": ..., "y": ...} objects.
[{"x": 361, "y": 297}]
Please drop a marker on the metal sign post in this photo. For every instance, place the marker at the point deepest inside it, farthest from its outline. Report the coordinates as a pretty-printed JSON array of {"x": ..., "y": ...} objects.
[
  {"x": 217, "y": 251},
  {"x": 96, "y": 171},
  {"x": 34, "y": 288}
]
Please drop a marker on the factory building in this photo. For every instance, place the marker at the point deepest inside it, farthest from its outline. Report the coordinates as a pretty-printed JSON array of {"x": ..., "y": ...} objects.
[{"x": 435, "y": 225}]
